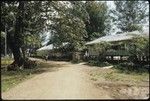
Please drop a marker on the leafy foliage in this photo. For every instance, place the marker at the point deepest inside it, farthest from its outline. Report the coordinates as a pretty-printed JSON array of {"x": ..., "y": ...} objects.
[
  {"x": 129, "y": 14},
  {"x": 78, "y": 23},
  {"x": 101, "y": 47},
  {"x": 140, "y": 46},
  {"x": 69, "y": 26},
  {"x": 130, "y": 67},
  {"x": 98, "y": 63},
  {"x": 99, "y": 20},
  {"x": 117, "y": 52}
]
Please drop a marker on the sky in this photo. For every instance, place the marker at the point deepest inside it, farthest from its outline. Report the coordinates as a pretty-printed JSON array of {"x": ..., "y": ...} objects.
[{"x": 113, "y": 30}]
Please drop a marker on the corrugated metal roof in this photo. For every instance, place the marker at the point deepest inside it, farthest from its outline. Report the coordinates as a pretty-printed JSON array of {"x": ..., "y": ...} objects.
[
  {"x": 117, "y": 37},
  {"x": 49, "y": 47}
]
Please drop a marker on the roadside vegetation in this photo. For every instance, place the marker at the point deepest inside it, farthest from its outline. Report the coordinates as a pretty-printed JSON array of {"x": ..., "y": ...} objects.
[
  {"x": 124, "y": 67},
  {"x": 116, "y": 75},
  {"x": 6, "y": 61},
  {"x": 10, "y": 79},
  {"x": 123, "y": 72},
  {"x": 97, "y": 63},
  {"x": 121, "y": 84}
]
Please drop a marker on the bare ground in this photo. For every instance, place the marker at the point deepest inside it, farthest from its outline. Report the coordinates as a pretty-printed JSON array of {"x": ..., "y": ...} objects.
[
  {"x": 69, "y": 82},
  {"x": 72, "y": 81},
  {"x": 121, "y": 89}
]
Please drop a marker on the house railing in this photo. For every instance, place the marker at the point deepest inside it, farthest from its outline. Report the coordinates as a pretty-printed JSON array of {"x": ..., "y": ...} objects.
[{"x": 118, "y": 56}]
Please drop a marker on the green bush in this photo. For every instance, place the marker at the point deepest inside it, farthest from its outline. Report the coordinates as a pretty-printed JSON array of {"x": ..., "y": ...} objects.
[
  {"x": 98, "y": 63},
  {"x": 42, "y": 53},
  {"x": 129, "y": 67},
  {"x": 117, "y": 52},
  {"x": 125, "y": 64}
]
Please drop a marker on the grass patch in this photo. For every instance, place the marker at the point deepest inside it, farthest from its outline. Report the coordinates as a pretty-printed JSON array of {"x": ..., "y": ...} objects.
[
  {"x": 123, "y": 77},
  {"x": 98, "y": 63},
  {"x": 114, "y": 75},
  {"x": 10, "y": 79},
  {"x": 121, "y": 83},
  {"x": 130, "y": 68},
  {"x": 123, "y": 72},
  {"x": 6, "y": 61}
]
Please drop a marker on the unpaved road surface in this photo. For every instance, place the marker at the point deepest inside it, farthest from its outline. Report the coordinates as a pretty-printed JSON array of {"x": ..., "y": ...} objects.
[{"x": 69, "y": 82}]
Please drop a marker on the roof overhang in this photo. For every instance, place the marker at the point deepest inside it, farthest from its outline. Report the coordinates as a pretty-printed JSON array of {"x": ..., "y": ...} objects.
[{"x": 117, "y": 37}]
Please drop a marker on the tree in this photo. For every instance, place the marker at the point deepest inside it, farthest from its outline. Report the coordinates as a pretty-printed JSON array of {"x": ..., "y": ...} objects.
[
  {"x": 129, "y": 14},
  {"x": 80, "y": 22},
  {"x": 68, "y": 25},
  {"x": 21, "y": 17},
  {"x": 139, "y": 47},
  {"x": 2, "y": 43},
  {"x": 15, "y": 42},
  {"x": 102, "y": 47},
  {"x": 99, "y": 21}
]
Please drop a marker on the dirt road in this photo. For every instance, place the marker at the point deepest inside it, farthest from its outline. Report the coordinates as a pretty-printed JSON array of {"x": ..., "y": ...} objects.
[{"x": 69, "y": 82}]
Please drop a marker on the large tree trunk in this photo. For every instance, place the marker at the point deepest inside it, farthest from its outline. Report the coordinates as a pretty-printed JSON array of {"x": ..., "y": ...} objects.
[
  {"x": 15, "y": 38},
  {"x": 18, "y": 35},
  {"x": 17, "y": 55},
  {"x": 16, "y": 50}
]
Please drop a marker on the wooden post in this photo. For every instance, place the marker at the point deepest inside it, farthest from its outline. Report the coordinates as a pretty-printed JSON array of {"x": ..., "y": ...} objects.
[
  {"x": 147, "y": 58},
  {"x": 112, "y": 57},
  {"x": 121, "y": 58},
  {"x": 5, "y": 39},
  {"x": 125, "y": 46}
]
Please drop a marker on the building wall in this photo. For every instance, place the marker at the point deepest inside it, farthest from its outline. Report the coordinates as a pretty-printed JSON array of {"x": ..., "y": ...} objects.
[{"x": 92, "y": 51}]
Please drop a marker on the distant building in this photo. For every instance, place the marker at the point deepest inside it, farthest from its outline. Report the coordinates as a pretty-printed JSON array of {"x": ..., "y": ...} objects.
[
  {"x": 119, "y": 45},
  {"x": 53, "y": 52},
  {"x": 48, "y": 47}
]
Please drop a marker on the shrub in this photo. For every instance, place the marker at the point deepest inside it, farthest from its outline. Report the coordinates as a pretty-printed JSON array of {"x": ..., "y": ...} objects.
[
  {"x": 125, "y": 64},
  {"x": 139, "y": 46},
  {"x": 129, "y": 67},
  {"x": 98, "y": 63}
]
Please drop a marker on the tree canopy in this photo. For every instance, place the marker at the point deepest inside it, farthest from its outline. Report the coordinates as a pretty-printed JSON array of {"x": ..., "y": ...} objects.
[
  {"x": 68, "y": 25},
  {"x": 130, "y": 14},
  {"x": 99, "y": 19}
]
